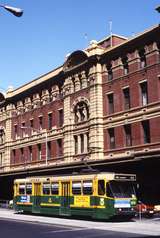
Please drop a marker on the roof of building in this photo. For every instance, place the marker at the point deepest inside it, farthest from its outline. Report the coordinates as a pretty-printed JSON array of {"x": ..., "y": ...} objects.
[{"x": 55, "y": 72}]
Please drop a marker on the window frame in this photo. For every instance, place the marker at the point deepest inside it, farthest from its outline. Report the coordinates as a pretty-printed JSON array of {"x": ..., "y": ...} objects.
[
  {"x": 104, "y": 188},
  {"x": 84, "y": 190},
  {"x": 55, "y": 194},
  {"x": 77, "y": 182},
  {"x": 46, "y": 183},
  {"x": 111, "y": 133},
  {"x": 110, "y": 99}
]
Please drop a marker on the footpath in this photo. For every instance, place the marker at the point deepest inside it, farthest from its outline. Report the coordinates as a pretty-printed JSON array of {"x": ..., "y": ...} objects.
[{"x": 143, "y": 227}]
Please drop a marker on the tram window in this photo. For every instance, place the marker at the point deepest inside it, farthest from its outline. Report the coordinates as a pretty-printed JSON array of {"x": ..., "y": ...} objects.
[
  {"x": 87, "y": 187},
  {"x": 109, "y": 191},
  {"x": 101, "y": 187},
  {"x": 55, "y": 188},
  {"x": 46, "y": 188},
  {"x": 21, "y": 188},
  {"x": 29, "y": 188},
  {"x": 76, "y": 188}
]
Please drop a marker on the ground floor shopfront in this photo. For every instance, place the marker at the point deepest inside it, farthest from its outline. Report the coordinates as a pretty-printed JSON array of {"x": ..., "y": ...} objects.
[{"x": 147, "y": 170}]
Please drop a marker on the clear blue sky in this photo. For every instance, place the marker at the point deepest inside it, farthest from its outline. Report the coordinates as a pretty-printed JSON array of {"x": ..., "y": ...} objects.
[{"x": 38, "y": 42}]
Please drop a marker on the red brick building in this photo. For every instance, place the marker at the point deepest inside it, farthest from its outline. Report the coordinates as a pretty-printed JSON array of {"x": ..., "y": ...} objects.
[{"x": 99, "y": 109}]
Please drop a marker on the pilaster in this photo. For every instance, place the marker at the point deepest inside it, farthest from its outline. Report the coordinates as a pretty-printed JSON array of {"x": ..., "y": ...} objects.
[{"x": 96, "y": 140}]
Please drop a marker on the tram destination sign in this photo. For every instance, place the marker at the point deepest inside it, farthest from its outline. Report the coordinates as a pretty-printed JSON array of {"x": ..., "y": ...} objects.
[{"x": 127, "y": 177}]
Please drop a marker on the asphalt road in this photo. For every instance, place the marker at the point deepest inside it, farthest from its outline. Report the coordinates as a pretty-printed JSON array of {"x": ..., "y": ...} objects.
[{"x": 21, "y": 229}]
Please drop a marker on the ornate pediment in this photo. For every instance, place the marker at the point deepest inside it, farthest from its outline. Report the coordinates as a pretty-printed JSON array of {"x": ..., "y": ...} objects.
[
  {"x": 2, "y": 97},
  {"x": 74, "y": 60}
]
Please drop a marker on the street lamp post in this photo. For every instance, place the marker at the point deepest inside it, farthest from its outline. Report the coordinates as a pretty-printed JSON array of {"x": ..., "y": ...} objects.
[
  {"x": 158, "y": 8},
  {"x": 46, "y": 139},
  {"x": 14, "y": 10}
]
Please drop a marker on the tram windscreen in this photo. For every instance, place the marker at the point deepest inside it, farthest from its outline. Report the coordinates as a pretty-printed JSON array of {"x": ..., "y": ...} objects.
[{"x": 120, "y": 189}]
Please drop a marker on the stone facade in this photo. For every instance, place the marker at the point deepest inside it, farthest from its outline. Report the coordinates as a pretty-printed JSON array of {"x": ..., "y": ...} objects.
[{"x": 102, "y": 104}]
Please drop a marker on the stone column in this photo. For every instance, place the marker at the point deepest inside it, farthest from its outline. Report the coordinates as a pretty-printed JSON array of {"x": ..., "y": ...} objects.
[
  {"x": 68, "y": 129},
  {"x": 84, "y": 80},
  {"x": 8, "y": 138},
  {"x": 79, "y": 144},
  {"x": 85, "y": 143},
  {"x": 96, "y": 140},
  {"x": 77, "y": 83}
]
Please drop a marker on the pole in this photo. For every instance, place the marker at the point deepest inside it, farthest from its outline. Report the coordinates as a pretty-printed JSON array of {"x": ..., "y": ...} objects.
[{"x": 110, "y": 29}]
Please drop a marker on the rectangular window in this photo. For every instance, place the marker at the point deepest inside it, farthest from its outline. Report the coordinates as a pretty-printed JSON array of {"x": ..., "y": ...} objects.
[
  {"x": 128, "y": 135},
  {"x": 46, "y": 188},
  {"x": 110, "y": 72},
  {"x": 39, "y": 152},
  {"x": 76, "y": 188},
  {"x": 40, "y": 122},
  {"x": 111, "y": 138},
  {"x": 21, "y": 189},
  {"x": 144, "y": 93},
  {"x": 87, "y": 187},
  {"x": 14, "y": 156},
  {"x": 61, "y": 117},
  {"x": 55, "y": 188},
  {"x": 125, "y": 65},
  {"x": 0, "y": 159},
  {"x": 49, "y": 150},
  {"x": 1, "y": 135},
  {"x": 110, "y": 103},
  {"x": 31, "y": 123},
  {"x": 23, "y": 129},
  {"x": 22, "y": 154},
  {"x": 146, "y": 131},
  {"x": 82, "y": 143},
  {"x": 16, "y": 131},
  {"x": 76, "y": 144},
  {"x": 101, "y": 187},
  {"x": 143, "y": 62},
  {"x": 59, "y": 147},
  {"x": 126, "y": 93},
  {"x": 87, "y": 135},
  {"x": 50, "y": 121},
  {"x": 28, "y": 188},
  {"x": 30, "y": 153}
]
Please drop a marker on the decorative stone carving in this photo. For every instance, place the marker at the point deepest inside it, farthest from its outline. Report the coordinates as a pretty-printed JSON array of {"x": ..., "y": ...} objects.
[
  {"x": 20, "y": 107},
  {"x": 81, "y": 112},
  {"x": 77, "y": 83},
  {"x": 66, "y": 87},
  {"x": 84, "y": 79},
  {"x": 36, "y": 100},
  {"x": 45, "y": 97},
  {"x": 54, "y": 92},
  {"x": 28, "y": 104}
]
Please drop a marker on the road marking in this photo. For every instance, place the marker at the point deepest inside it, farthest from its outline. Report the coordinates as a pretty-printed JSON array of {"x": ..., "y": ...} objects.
[
  {"x": 156, "y": 219},
  {"x": 69, "y": 230}
]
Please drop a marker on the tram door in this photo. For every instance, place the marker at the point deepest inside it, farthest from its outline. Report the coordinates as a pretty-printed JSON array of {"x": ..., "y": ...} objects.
[
  {"x": 36, "y": 198},
  {"x": 65, "y": 199}
]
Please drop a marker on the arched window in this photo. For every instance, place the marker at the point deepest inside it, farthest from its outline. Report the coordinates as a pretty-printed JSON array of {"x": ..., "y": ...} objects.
[{"x": 81, "y": 112}]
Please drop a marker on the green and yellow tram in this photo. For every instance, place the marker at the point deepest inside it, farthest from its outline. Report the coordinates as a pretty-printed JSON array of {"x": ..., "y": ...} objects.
[{"x": 100, "y": 195}]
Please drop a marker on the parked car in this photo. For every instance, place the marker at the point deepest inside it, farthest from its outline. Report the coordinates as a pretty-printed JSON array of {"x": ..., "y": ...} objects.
[
  {"x": 145, "y": 210},
  {"x": 157, "y": 209}
]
